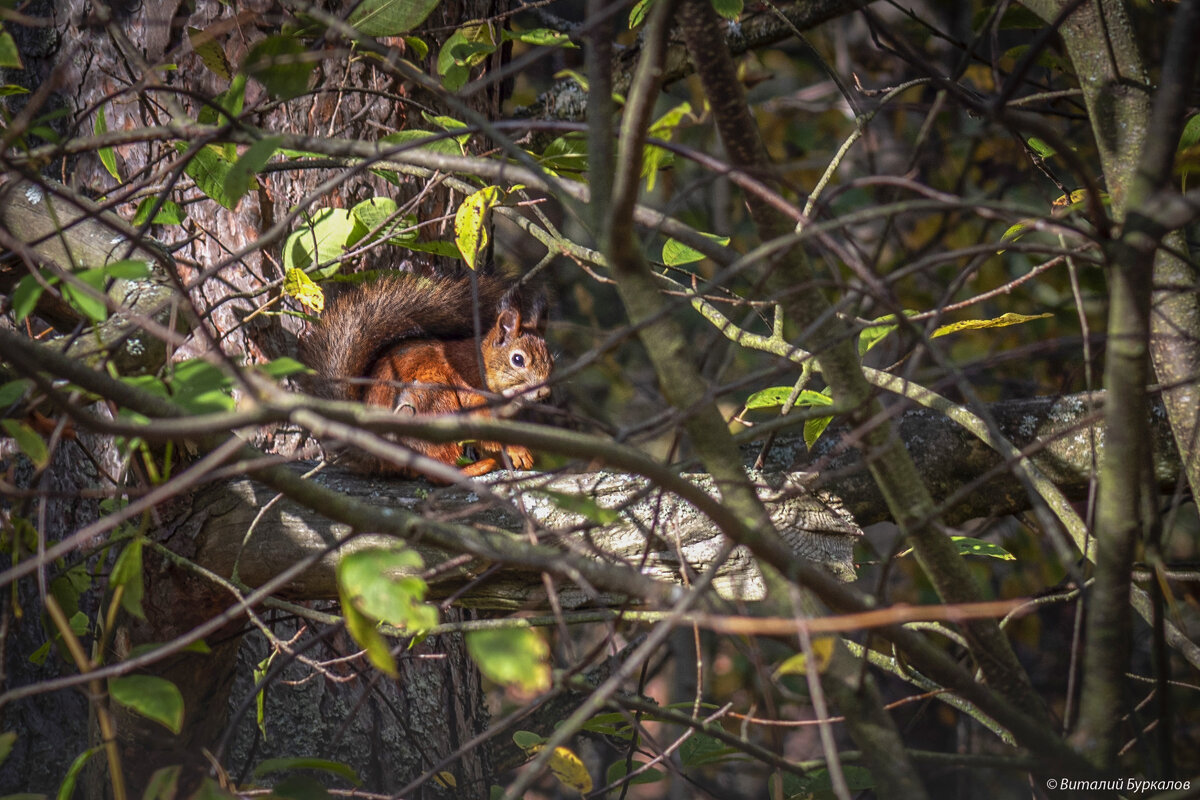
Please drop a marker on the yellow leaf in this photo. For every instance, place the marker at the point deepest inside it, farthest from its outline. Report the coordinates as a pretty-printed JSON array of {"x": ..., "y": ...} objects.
[
  {"x": 445, "y": 780},
  {"x": 1002, "y": 321},
  {"x": 822, "y": 647},
  {"x": 568, "y": 768},
  {"x": 297, "y": 284},
  {"x": 1068, "y": 200},
  {"x": 210, "y": 52},
  {"x": 471, "y": 223}
]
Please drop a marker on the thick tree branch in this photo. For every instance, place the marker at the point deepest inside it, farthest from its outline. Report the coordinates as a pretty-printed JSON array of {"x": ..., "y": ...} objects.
[
  {"x": 1136, "y": 144},
  {"x": 758, "y": 27},
  {"x": 48, "y": 226},
  {"x": 893, "y": 469}
]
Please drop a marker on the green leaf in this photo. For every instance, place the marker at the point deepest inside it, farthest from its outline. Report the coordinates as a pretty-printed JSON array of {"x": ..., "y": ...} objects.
[
  {"x": 7, "y": 740},
  {"x": 874, "y": 334},
  {"x": 1040, "y": 147},
  {"x": 9, "y": 55},
  {"x": 11, "y": 89},
  {"x": 68, "y": 587},
  {"x": 163, "y": 784},
  {"x": 516, "y": 657},
  {"x": 282, "y": 367},
  {"x": 381, "y": 215},
  {"x": 568, "y": 153},
  {"x": 169, "y": 213},
  {"x": 700, "y": 749},
  {"x": 427, "y": 140},
  {"x": 655, "y": 158},
  {"x": 127, "y": 572},
  {"x": 13, "y": 392},
  {"x": 25, "y": 296},
  {"x": 29, "y": 441},
  {"x": 260, "y": 697},
  {"x": 224, "y": 108},
  {"x": 676, "y": 253},
  {"x": 729, "y": 9},
  {"x": 1191, "y": 133},
  {"x": 200, "y": 387},
  {"x": 777, "y": 395},
  {"x": 66, "y": 790},
  {"x": 1002, "y": 321},
  {"x": 273, "y": 765},
  {"x": 1187, "y": 155},
  {"x": 210, "y": 52},
  {"x": 107, "y": 157},
  {"x": 240, "y": 177},
  {"x": 40, "y": 655},
  {"x": 468, "y": 46},
  {"x": 128, "y": 269},
  {"x": 527, "y": 739},
  {"x": 542, "y": 37},
  {"x": 584, "y": 506},
  {"x": 209, "y": 167},
  {"x": 323, "y": 239},
  {"x": 813, "y": 429},
  {"x": 374, "y": 212},
  {"x": 664, "y": 127},
  {"x": 1015, "y": 231},
  {"x": 818, "y": 783},
  {"x": 438, "y": 248},
  {"x": 389, "y": 17},
  {"x": 977, "y": 547},
  {"x": 211, "y": 790},
  {"x": 45, "y": 132},
  {"x": 384, "y": 584},
  {"x": 365, "y": 631},
  {"x": 967, "y": 546},
  {"x": 471, "y": 223},
  {"x": 281, "y": 64},
  {"x": 449, "y": 124},
  {"x": 198, "y": 646},
  {"x": 380, "y": 585},
  {"x": 147, "y": 383},
  {"x": 154, "y": 698},
  {"x": 418, "y": 45},
  {"x": 299, "y": 787},
  {"x": 578, "y": 77},
  {"x": 89, "y": 304},
  {"x": 637, "y": 14}
]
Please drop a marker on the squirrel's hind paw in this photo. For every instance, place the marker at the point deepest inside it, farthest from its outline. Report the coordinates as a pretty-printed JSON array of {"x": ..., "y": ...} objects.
[{"x": 520, "y": 456}]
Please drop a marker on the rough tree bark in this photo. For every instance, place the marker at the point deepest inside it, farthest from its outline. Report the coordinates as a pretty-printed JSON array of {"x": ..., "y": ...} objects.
[{"x": 89, "y": 59}]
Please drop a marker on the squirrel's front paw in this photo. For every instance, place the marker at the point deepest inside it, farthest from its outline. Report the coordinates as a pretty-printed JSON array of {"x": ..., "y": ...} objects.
[{"x": 520, "y": 456}]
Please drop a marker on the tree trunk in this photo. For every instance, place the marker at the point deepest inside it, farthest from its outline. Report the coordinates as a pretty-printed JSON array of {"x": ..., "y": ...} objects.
[{"x": 92, "y": 58}]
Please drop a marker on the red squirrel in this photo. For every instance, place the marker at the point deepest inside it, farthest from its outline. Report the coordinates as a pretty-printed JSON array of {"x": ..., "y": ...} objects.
[{"x": 408, "y": 343}]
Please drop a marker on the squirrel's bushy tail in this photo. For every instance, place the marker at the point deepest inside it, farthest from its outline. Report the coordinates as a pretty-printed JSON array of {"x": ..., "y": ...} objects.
[{"x": 362, "y": 324}]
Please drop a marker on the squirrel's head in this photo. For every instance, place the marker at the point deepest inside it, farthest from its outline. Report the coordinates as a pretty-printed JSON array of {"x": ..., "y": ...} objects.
[{"x": 519, "y": 362}]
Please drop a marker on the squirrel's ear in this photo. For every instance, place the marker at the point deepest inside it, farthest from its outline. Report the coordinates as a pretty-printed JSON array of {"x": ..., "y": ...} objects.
[{"x": 508, "y": 323}]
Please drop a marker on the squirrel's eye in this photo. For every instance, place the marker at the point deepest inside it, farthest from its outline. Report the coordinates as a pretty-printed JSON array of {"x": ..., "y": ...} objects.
[{"x": 518, "y": 359}]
